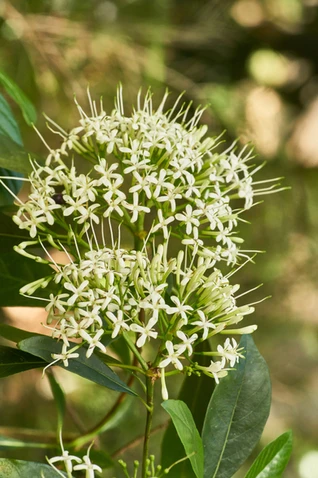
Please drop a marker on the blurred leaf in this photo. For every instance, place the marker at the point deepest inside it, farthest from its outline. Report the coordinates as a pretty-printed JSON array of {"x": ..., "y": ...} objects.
[
  {"x": 24, "y": 469},
  {"x": 196, "y": 393},
  {"x": 187, "y": 432},
  {"x": 15, "y": 272},
  {"x": 10, "y": 234},
  {"x": 15, "y": 361},
  {"x": 237, "y": 413},
  {"x": 14, "y": 334},
  {"x": 27, "y": 108},
  {"x": 14, "y": 157},
  {"x": 6, "y": 442},
  {"x": 59, "y": 399},
  {"x": 91, "y": 368},
  {"x": 272, "y": 461}
]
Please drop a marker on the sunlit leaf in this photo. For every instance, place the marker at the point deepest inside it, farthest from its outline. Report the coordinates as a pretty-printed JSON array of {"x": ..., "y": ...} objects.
[
  {"x": 187, "y": 432},
  {"x": 236, "y": 414},
  {"x": 272, "y": 461},
  {"x": 196, "y": 393},
  {"x": 91, "y": 368}
]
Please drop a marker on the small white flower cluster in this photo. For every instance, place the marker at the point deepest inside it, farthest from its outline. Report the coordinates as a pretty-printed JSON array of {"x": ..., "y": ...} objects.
[
  {"x": 82, "y": 464},
  {"x": 152, "y": 164},
  {"x": 154, "y": 174}
]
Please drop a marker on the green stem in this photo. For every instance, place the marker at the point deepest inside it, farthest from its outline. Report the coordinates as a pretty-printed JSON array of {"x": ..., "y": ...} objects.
[
  {"x": 135, "y": 351},
  {"x": 150, "y": 395}
]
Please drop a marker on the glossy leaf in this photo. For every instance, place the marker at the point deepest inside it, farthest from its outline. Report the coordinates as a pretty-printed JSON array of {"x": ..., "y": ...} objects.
[
  {"x": 272, "y": 461},
  {"x": 15, "y": 361},
  {"x": 59, "y": 399},
  {"x": 13, "y": 90},
  {"x": 24, "y": 469},
  {"x": 236, "y": 414},
  {"x": 196, "y": 393},
  {"x": 14, "y": 334},
  {"x": 91, "y": 368},
  {"x": 187, "y": 432}
]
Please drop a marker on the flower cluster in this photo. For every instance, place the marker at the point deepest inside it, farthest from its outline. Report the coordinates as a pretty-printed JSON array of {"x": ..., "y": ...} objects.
[
  {"x": 155, "y": 175},
  {"x": 152, "y": 165}
]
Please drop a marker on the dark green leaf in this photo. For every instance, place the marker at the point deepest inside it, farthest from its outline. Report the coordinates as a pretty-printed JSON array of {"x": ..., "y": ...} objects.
[
  {"x": 14, "y": 334},
  {"x": 91, "y": 368},
  {"x": 10, "y": 234},
  {"x": 59, "y": 398},
  {"x": 236, "y": 414},
  {"x": 272, "y": 461},
  {"x": 187, "y": 432},
  {"x": 25, "y": 469},
  {"x": 17, "y": 271},
  {"x": 27, "y": 108},
  {"x": 15, "y": 361},
  {"x": 196, "y": 393}
]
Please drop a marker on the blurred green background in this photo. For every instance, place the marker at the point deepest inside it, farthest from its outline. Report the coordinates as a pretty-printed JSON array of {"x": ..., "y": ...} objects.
[{"x": 255, "y": 62}]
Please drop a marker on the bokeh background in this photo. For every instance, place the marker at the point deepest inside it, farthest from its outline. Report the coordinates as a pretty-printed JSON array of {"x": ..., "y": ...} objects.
[{"x": 255, "y": 62}]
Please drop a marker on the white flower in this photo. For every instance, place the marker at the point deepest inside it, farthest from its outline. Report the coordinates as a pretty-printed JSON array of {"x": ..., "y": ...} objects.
[
  {"x": 203, "y": 324},
  {"x": 173, "y": 356},
  {"x": 180, "y": 308},
  {"x": 146, "y": 331},
  {"x": 186, "y": 341},
  {"x": 93, "y": 341},
  {"x": 216, "y": 369},
  {"x": 65, "y": 355},
  {"x": 189, "y": 220},
  {"x": 89, "y": 467},
  {"x": 136, "y": 208},
  {"x": 67, "y": 459},
  {"x": 77, "y": 291},
  {"x": 230, "y": 352},
  {"x": 118, "y": 321},
  {"x": 162, "y": 224}
]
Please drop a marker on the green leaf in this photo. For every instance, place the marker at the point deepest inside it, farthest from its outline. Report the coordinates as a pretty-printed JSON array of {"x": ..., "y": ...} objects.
[
  {"x": 187, "y": 432},
  {"x": 14, "y": 157},
  {"x": 24, "y": 469},
  {"x": 10, "y": 234},
  {"x": 17, "y": 271},
  {"x": 91, "y": 368},
  {"x": 15, "y": 361},
  {"x": 236, "y": 414},
  {"x": 27, "y": 108},
  {"x": 272, "y": 461},
  {"x": 9, "y": 128},
  {"x": 8, "y": 443},
  {"x": 59, "y": 398},
  {"x": 196, "y": 393},
  {"x": 14, "y": 334},
  {"x": 8, "y": 125}
]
